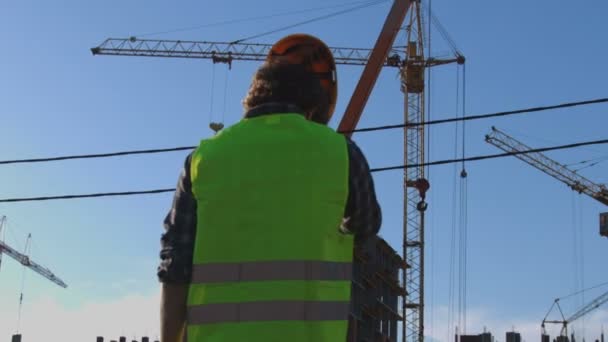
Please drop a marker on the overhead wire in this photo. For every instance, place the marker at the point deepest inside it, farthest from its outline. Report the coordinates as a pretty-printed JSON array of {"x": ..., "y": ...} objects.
[
  {"x": 94, "y": 195},
  {"x": 96, "y": 155},
  {"x": 369, "y": 129},
  {"x": 484, "y": 116},
  {"x": 248, "y": 19},
  {"x": 309, "y": 21},
  {"x": 494, "y": 156},
  {"x": 381, "y": 169}
]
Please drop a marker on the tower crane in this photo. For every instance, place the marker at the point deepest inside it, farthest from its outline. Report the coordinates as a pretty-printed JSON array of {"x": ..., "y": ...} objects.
[
  {"x": 411, "y": 64},
  {"x": 26, "y": 261},
  {"x": 576, "y": 182},
  {"x": 584, "y": 310}
]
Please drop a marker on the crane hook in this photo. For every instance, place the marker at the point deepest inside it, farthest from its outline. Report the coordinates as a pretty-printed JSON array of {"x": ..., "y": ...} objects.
[{"x": 216, "y": 126}]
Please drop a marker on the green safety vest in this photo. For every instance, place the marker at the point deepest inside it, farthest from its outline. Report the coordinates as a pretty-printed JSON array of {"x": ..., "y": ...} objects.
[{"x": 269, "y": 262}]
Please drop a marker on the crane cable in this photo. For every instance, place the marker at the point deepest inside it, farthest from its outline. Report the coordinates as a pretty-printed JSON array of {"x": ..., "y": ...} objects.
[
  {"x": 452, "y": 277},
  {"x": 225, "y": 94},
  {"x": 218, "y": 126},
  {"x": 583, "y": 290},
  {"x": 464, "y": 192},
  {"x": 578, "y": 256},
  {"x": 309, "y": 21},
  {"x": 255, "y": 18},
  {"x": 594, "y": 163},
  {"x": 444, "y": 33},
  {"x": 581, "y": 258},
  {"x": 212, "y": 95},
  {"x": 428, "y": 151},
  {"x": 26, "y": 251},
  {"x": 586, "y": 161}
]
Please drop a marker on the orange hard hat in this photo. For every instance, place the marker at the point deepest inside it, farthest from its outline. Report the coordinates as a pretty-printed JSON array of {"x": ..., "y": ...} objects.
[{"x": 313, "y": 53}]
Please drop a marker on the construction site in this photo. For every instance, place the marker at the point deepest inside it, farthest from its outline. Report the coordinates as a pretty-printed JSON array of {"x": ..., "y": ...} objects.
[{"x": 483, "y": 125}]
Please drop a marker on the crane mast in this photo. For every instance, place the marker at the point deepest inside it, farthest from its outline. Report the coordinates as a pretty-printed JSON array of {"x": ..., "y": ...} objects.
[
  {"x": 412, "y": 84},
  {"x": 26, "y": 261},
  {"x": 575, "y": 181}
]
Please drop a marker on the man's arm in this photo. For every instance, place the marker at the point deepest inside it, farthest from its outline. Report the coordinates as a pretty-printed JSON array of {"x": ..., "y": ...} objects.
[
  {"x": 175, "y": 269},
  {"x": 362, "y": 216},
  {"x": 173, "y": 300}
]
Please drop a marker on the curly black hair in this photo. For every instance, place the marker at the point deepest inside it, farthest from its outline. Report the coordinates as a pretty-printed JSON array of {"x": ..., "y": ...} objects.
[{"x": 289, "y": 83}]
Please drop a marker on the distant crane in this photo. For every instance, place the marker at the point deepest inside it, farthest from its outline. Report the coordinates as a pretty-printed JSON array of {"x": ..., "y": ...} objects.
[
  {"x": 592, "y": 305},
  {"x": 26, "y": 261},
  {"x": 547, "y": 165}
]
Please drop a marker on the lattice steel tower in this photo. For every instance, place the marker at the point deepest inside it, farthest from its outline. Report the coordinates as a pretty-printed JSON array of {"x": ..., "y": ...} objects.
[
  {"x": 415, "y": 183},
  {"x": 412, "y": 84}
]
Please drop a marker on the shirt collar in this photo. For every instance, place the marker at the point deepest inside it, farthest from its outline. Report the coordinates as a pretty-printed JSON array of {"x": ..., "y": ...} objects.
[{"x": 273, "y": 108}]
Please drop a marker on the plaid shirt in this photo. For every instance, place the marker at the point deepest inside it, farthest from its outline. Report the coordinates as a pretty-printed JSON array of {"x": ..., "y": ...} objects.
[{"x": 362, "y": 215}]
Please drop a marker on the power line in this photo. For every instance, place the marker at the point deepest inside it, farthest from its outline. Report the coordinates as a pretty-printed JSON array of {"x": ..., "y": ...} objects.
[
  {"x": 494, "y": 156},
  {"x": 484, "y": 116},
  {"x": 99, "y": 155},
  {"x": 369, "y": 129},
  {"x": 400, "y": 167},
  {"x": 102, "y": 194}
]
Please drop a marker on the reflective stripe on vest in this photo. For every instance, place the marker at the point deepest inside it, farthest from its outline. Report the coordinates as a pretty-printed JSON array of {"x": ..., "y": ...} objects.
[
  {"x": 268, "y": 311},
  {"x": 271, "y": 270}
]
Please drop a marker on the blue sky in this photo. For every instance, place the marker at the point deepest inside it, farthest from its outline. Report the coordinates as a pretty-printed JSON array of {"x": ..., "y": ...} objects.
[{"x": 56, "y": 98}]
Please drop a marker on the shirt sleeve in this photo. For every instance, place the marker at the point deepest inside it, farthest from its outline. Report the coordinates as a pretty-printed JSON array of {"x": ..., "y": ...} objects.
[
  {"x": 177, "y": 243},
  {"x": 362, "y": 216}
]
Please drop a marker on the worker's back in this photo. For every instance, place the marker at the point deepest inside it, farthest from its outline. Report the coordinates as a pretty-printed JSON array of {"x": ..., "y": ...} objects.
[{"x": 269, "y": 261}]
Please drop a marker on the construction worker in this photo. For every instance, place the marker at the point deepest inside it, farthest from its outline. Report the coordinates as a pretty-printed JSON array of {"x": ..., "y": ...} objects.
[{"x": 259, "y": 241}]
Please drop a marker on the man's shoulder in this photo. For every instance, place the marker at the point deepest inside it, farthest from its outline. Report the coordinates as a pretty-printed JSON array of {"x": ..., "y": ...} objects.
[{"x": 354, "y": 152}]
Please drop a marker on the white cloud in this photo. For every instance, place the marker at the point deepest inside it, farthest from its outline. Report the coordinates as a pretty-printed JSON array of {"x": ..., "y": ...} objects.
[{"x": 132, "y": 316}]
